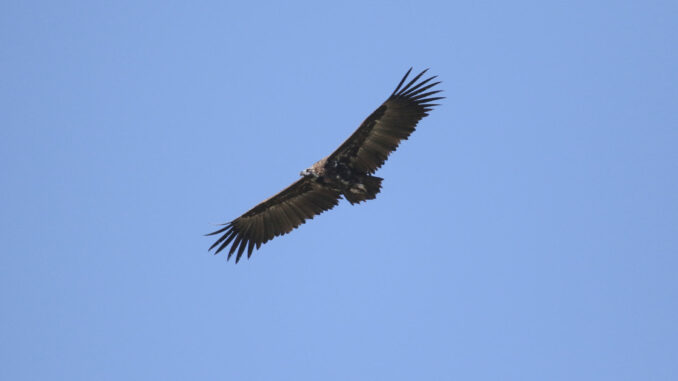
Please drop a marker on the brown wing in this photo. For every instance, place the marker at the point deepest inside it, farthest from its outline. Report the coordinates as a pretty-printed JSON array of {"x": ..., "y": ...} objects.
[
  {"x": 276, "y": 216},
  {"x": 381, "y": 133}
]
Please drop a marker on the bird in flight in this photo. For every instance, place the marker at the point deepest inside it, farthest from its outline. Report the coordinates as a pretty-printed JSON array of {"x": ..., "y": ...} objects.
[{"x": 345, "y": 172}]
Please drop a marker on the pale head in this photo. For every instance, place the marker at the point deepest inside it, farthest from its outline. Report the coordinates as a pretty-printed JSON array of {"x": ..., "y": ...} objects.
[{"x": 307, "y": 172}]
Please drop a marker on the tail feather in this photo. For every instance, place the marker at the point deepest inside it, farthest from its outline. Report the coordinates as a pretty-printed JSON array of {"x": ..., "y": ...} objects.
[{"x": 367, "y": 190}]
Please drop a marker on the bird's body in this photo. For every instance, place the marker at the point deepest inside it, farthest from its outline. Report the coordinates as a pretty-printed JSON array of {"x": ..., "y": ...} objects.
[
  {"x": 339, "y": 176},
  {"x": 347, "y": 172}
]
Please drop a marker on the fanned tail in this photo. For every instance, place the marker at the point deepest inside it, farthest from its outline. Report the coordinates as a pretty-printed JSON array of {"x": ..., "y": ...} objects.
[{"x": 367, "y": 190}]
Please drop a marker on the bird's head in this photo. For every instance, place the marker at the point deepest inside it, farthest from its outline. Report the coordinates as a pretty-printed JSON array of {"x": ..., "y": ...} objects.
[{"x": 311, "y": 171}]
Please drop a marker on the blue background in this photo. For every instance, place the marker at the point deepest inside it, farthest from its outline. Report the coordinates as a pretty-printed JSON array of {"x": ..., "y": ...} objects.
[{"x": 528, "y": 230}]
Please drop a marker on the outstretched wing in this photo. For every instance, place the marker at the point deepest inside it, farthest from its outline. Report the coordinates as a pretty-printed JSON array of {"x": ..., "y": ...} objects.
[
  {"x": 381, "y": 133},
  {"x": 275, "y": 216}
]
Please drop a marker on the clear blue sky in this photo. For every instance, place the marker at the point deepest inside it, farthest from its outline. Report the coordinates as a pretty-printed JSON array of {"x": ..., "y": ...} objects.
[{"x": 528, "y": 230}]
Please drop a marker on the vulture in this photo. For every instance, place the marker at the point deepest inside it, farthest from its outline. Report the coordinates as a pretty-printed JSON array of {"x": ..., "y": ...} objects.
[{"x": 347, "y": 172}]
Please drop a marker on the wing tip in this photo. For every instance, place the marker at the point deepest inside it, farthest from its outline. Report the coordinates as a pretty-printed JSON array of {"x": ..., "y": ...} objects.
[
  {"x": 416, "y": 91},
  {"x": 231, "y": 233}
]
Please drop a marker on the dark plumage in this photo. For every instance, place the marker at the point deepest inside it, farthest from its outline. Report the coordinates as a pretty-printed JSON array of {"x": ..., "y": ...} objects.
[{"x": 346, "y": 172}]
